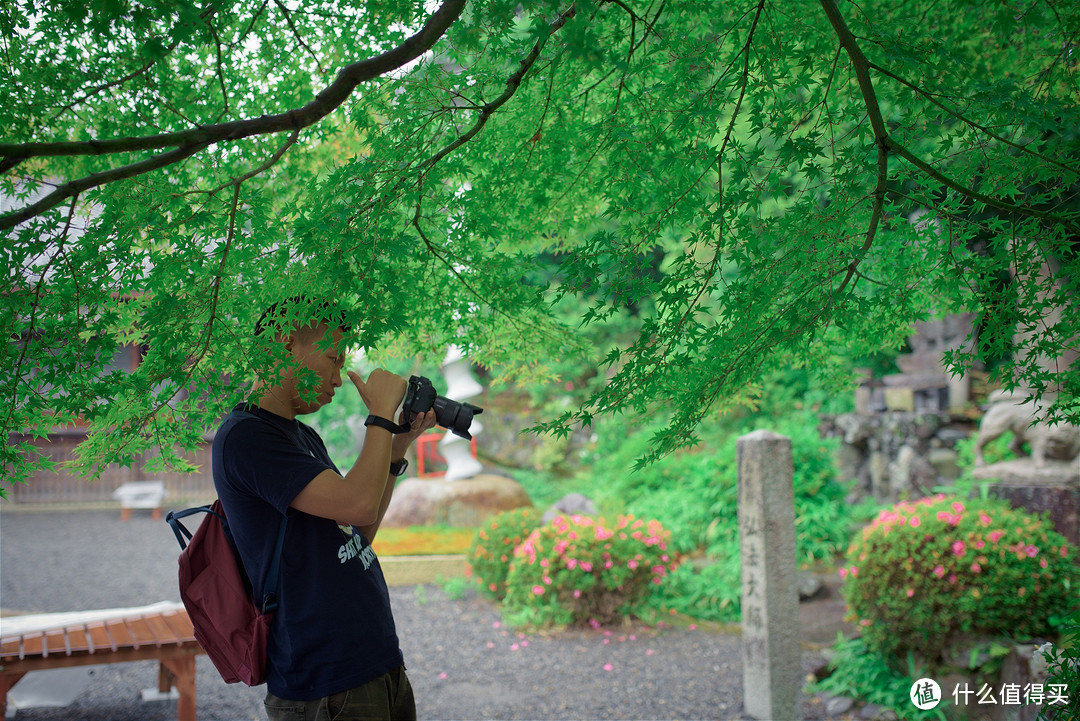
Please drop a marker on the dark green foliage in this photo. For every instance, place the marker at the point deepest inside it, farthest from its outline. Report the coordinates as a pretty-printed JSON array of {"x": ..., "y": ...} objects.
[{"x": 1064, "y": 660}]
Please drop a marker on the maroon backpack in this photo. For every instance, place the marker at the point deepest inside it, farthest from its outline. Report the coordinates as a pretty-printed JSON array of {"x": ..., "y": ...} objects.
[{"x": 216, "y": 592}]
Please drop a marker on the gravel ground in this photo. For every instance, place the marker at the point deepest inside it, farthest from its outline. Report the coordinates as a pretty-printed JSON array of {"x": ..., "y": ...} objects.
[{"x": 463, "y": 664}]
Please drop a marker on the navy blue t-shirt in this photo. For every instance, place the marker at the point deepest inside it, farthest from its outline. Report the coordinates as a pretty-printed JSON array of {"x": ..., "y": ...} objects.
[{"x": 333, "y": 629}]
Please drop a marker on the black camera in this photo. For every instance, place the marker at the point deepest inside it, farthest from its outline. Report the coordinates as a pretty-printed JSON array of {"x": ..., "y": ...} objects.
[{"x": 455, "y": 417}]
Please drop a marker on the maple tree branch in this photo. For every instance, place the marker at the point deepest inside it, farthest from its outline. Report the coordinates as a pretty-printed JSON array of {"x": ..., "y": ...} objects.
[
  {"x": 325, "y": 102},
  {"x": 971, "y": 123},
  {"x": 93, "y": 180},
  {"x": 996, "y": 203},
  {"x": 188, "y": 142},
  {"x": 881, "y": 134}
]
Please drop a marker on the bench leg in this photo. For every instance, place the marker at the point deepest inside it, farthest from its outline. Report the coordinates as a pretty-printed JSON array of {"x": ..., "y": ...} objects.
[
  {"x": 7, "y": 680},
  {"x": 166, "y": 679},
  {"x": 182, "y": 673}
]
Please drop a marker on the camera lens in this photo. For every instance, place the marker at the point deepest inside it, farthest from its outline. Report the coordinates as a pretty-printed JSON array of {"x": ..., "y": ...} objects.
[{"x": 455, "y": 417}]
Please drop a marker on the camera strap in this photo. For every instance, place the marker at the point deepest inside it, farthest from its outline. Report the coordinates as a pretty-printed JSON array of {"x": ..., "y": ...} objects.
[{"x": 389, "y": 425}]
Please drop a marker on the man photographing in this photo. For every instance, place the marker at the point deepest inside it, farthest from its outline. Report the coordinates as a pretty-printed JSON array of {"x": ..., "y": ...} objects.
[{"x": 333, "y": 651}]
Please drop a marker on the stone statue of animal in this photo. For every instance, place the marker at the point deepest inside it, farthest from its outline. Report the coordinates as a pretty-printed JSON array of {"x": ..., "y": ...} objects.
[{"x": 1058, "y": 442}]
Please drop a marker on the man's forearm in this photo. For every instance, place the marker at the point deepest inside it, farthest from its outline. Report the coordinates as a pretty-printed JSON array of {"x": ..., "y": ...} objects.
[{"x": 388, "y": 493}]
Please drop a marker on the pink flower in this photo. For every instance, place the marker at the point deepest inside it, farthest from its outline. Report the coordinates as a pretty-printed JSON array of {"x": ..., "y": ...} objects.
[
  {"x": 631, "y": 564},
  {"x": 914, "y": 522},
  {"x": 976, "y": 568},
  {"x": 577, "y": 593},
  {"x": 538, "y": 590},
  {"x": 939, "y": 571},
  {"x": 571, "y": 564},
  {"x": 608, "y": 667},
  {"x": 1064, "y": 552},
  {"x": 948, "y": 518},
  {"x": 995, "y": 536},
  {"x": 958, "y": 506},
  {"x": 958, "y": 548},
  {"x": 586, "y": 566},
  {"x": 1043, "y": 563},
  {"x": 984, "y": 518},
  {"x": 910, "y": 592},
  {"x": 843, "y": 573},
  {"x": 1031, "y": 551}
]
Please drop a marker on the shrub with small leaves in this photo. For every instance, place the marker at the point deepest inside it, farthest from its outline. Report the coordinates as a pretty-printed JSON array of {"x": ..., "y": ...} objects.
[
  {"x": 578, "y": 570},
  {"x": 492, "y": 550},
  {"x": 925, "y": 573}
]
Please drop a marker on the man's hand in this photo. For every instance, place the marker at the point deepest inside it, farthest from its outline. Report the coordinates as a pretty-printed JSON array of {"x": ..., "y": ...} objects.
[
  {"x": 382, "y": 393},
  {"x": 422, "y": 423}
]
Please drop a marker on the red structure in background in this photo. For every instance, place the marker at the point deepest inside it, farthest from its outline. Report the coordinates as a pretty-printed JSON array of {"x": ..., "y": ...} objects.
[{"x": 427, "y": 455}]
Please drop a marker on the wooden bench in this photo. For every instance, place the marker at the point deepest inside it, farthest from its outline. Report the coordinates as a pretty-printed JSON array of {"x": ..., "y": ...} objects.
[{"x": 160, "y": 632}]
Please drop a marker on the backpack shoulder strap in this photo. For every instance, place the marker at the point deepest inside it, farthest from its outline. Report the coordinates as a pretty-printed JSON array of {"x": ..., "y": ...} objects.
[{"x": 183, "y": 535}]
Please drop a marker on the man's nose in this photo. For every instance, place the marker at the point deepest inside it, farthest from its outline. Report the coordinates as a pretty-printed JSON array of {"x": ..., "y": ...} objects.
[{"x": 336, "y": 379}]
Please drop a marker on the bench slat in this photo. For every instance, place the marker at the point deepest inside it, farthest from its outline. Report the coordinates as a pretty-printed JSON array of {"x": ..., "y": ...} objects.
[
  {"x": 78, "y": 640},
  {"x": 141, "y": 633},
  {"x": 162, "y": 633},
  {"x": 180, "y": 625},
  {"x": 55, "y": 642}
]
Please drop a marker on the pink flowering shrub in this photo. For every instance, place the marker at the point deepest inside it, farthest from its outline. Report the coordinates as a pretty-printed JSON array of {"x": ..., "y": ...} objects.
[
  {"x": 492, "y": 550},
  {"x": 579, "y": 570},
  {"x": 924, "y": 573}
]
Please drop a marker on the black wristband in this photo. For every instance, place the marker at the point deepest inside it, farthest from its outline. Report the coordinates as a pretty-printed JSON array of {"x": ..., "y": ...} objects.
[{"x": 389, "y": 425}]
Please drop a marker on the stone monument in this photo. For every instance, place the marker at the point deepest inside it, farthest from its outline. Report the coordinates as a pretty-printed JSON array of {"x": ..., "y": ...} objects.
[{"x": 770, "y": 595}]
